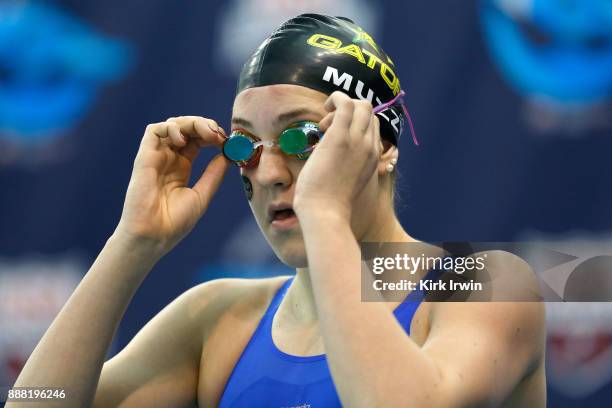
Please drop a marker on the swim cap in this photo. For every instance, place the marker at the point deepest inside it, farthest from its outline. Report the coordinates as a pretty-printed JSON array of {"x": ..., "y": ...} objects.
[{"x": 329, "y": 54}]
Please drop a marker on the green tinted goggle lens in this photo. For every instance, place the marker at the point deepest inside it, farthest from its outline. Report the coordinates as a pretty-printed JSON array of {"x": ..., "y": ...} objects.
[
  {"x": 293, "y": 141},
  {"x": 300, "y": 139}
]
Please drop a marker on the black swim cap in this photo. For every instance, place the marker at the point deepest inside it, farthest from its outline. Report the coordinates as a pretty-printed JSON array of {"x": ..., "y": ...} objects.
[{"x": 328, "y": 54}]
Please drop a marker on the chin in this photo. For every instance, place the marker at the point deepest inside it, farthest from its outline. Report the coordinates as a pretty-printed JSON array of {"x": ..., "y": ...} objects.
[
  {"x": 291, "y": 253},
  {"x": 295, "y": 261}
]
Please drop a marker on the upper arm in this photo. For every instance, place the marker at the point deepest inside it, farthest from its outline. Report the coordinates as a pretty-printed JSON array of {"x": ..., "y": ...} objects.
[
  {"x": 484, "y": 349},
  {"x": 160, "y": 366}
]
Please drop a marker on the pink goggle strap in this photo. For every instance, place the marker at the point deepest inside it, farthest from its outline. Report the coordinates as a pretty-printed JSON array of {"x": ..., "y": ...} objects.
[{"x": 385, "y": 105}]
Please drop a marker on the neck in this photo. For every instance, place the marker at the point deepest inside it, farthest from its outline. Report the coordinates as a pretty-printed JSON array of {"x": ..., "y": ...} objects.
[{"x": 299, "y": 304}]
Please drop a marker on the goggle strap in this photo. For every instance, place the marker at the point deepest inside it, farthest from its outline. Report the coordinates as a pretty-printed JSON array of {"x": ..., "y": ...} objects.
[
  {"x": 412, "y": 132},
  {"x": 386, "y": 105}
]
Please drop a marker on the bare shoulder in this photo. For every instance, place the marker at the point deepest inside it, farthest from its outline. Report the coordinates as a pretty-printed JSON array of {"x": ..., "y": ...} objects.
[
  {"x": 500, "y": 331},
  {"x": 211, "y": 300},
  {"x": 166, "y": 357},
  {"x": 509, "y": 300},
  {"x": 230, "y": 310},
  {"x": 510, "y": 277}
]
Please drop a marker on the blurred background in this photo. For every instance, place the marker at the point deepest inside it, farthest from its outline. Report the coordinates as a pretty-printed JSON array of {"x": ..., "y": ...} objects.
[{"x": 512, "y": 104}]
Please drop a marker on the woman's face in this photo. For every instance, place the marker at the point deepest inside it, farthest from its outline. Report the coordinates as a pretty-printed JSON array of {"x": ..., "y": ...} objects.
[{"x": 265, "y": 112}]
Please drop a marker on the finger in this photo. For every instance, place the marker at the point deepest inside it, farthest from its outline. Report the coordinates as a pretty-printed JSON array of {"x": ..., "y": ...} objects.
[
  {"x": 155, "y": 136},
  {"x": 375, "y": 140},
  {"x": 190, "y": 150},
  {"x": 334, "y": 100},
  {"x": 207, "y": 131},
  {"x": 187, "y": 147},
  {"x": 211, "y": 179},
  {"x": 343, "y": 108},
  {"x": 362, "y": 118},
  {"x": 174, "y": 132},
  {"x": 326, "y": 122}
]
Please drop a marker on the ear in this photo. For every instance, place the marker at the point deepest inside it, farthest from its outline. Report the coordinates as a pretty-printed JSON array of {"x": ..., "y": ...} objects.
[{"x": 388, "y": 157}]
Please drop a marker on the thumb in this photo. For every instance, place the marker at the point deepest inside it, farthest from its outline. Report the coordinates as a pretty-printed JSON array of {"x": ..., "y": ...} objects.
[{"x": 211, "y": 179}]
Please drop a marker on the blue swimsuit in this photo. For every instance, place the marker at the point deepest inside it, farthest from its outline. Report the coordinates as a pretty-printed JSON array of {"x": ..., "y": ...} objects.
[{"x": 264, "y": 376}]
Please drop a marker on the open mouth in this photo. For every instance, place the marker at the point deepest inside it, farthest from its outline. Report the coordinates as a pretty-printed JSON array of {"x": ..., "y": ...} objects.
[{"x": 281, "y": 215}]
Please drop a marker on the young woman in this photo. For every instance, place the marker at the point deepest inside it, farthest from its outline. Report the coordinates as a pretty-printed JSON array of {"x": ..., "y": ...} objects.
[{"x": 318, "y": 163}]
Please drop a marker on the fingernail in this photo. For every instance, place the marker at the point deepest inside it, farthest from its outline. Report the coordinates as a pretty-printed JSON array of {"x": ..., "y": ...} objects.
[
  {"x": 213, "y": 128},
  {"x": 218, "y": 130}
]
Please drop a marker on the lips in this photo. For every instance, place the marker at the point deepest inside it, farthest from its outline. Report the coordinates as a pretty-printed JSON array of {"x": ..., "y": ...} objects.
[
  {"x": 283, "y": 214},
  {"x": 280, "y": 211}
]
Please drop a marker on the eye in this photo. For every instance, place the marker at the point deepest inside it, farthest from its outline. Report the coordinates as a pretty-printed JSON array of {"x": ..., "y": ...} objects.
[{"x": 239, "y": 132}]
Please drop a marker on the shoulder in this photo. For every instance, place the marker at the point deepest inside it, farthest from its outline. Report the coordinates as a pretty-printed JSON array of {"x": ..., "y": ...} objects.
[
  {"x": 508, "y": 284},
  {"x": 172, "y": 344},
  {"x": 195, "y": 312},
  {"x": 489, "y": 344},
  {"x": 228, "y": 291},
  {"x": 500, "y": 276},
  {"x": 228, "y": 312},
  {"x": 207, "y": 302},
  {"x": 508, "y": 310}
]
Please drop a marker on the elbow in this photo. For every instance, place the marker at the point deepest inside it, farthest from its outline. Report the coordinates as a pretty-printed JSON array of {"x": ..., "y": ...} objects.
[
  {"x": 420, "y": 391},
  {"x": 424, "y": 399}
]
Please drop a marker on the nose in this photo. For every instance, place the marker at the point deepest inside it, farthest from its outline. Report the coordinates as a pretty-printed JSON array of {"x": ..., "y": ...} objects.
[{"x": 272, "y": 169}]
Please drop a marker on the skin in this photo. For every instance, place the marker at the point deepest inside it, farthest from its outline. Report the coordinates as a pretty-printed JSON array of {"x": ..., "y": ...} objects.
[{"x": 458, "y": 354}]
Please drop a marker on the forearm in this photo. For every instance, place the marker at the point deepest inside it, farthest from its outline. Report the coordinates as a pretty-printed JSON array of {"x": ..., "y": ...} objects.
[
  {"x": 71, "y": 353},
  {"x": 372, "y": 360}
]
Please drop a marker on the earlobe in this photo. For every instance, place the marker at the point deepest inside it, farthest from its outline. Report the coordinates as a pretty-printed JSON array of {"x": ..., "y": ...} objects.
[
  {"x": 388, "y": 158},
  {"x": 391, "y": 165}
]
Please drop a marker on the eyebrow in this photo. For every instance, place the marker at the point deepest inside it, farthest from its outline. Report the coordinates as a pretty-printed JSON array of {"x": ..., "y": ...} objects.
[{"x": 280, "y": 119}]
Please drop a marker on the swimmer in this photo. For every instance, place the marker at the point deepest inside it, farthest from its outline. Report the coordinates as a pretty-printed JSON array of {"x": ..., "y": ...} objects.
[{"x": 316, "y": 128}]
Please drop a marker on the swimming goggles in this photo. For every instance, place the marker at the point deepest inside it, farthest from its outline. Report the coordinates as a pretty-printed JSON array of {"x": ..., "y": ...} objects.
[{"x": 297, "y": 141}]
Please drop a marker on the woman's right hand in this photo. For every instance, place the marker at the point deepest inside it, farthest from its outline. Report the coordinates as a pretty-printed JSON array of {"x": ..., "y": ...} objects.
[{"x": 160, "y": 208}]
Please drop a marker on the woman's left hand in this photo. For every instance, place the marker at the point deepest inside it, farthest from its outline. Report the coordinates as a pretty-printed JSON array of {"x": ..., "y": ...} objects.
[{"x": 343, "y": 162}]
